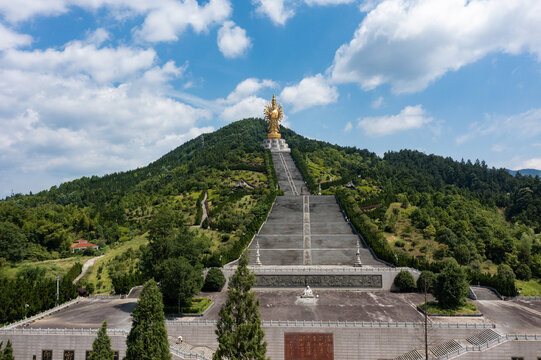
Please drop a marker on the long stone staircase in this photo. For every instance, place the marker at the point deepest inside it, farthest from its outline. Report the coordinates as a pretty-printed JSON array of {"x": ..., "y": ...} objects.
[{"x": 304, "y": 229}]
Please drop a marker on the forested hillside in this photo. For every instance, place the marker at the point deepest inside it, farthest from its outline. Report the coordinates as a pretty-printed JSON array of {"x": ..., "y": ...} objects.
[
  {"x": 414, "y": 209},
  {"x": 419, "y": 210},
  {"x": 228, "y": 169}
]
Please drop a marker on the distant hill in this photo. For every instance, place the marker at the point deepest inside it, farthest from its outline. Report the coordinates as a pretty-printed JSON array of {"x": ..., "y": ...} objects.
[{"x": 526, "y": 172}]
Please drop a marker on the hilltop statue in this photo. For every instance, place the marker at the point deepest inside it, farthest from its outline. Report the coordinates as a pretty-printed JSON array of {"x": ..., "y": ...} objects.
[{"x": 274, "y": 113}]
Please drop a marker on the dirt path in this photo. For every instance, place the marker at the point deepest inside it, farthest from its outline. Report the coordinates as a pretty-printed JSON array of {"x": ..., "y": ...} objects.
[
  {"x": 204, "y": 207},
  {"x": 86, "y": 266}
]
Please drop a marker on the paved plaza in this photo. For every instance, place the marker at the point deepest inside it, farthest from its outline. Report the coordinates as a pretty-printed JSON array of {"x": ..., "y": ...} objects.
[{"x": 90, "y": 314}]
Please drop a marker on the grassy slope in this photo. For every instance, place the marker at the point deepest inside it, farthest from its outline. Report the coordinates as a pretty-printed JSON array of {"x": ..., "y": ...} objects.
[
  {"x": 50, "y": 267},
  {"x": 102, "y": 279},
  {"x": 529, "y": 288}
]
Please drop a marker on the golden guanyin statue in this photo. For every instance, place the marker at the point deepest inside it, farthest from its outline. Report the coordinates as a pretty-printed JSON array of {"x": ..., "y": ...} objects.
[{"x": 274, "y": 114}]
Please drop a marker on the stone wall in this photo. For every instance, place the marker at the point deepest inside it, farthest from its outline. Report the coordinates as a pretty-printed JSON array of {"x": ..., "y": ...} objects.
[
  {"x": 380, "y": 341},
  {"x": 319, "y": 281},
  {"x": 25, "y": 346},
  {"x": 327, "y": 277}
]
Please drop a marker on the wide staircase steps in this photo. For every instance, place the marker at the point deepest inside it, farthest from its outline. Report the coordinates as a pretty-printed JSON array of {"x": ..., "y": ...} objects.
[
  {"x": 304, "y": 229},
  {"x": 308, "y": 230},
  {"x": 412, "y": 355},
  {"x": 483, "y": 337},
  {"x": 289, "y": 177},
  {"x": 445, "y": 348}
]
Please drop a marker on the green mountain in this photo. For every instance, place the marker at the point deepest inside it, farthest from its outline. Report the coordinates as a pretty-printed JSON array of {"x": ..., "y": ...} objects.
[
  {"x": 526, "y": 172},
  {"x": 414, "y": 209},
  {"x": 116, "y": 207}
]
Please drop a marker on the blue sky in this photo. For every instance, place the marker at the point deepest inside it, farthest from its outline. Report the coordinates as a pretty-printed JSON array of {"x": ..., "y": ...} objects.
[{"x": 94, "y": 87}]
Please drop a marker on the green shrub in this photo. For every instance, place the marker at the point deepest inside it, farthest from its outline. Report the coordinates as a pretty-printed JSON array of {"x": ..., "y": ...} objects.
[
  {"x": 404, "y": 281},
  {"x": 214, "y": 281},
  {"x": 426, "y": 281},
  {"x": 451, "y": 287},
  {"x": 399, "y": 243},
  {"x": 524, "y": 272}
]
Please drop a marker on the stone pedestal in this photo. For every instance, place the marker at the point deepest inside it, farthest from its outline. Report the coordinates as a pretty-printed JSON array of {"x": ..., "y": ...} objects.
[{"x": 276, "y": 145}]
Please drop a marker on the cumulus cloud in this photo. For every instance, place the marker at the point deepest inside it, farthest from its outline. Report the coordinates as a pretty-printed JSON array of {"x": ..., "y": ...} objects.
[
  {"x": 534, "y": 163},
  {"x": 327, "y": 2},
  {"x": 348, "y": 127},
  {"x": 232, "y": 40},
  {"x": 64, "y": 114},
  {"x": 251, "y": 106},
  {"x": 311, "y": 91},
  {"x": 247, "y": 88},
  {"x": 276, "y": 10},
  {"x": 242, "y": 102},
  {"x": 411, "y": 117},
  {"x": 103, "y": 64},
  {"x": 411, "y": 43},
  {"x": 171, "y": 18},
  {"x": 164, "y": 20},
  {"x": 11, "y": 39}
]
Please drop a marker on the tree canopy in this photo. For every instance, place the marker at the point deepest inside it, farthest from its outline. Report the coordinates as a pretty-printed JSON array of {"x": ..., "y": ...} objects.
[
  {"x": 147, "y": 339},
  {"x": 239, "y": 331}
]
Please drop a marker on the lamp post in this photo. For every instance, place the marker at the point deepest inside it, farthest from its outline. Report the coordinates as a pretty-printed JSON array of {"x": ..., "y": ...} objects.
[{"x": 57, "y": 289}]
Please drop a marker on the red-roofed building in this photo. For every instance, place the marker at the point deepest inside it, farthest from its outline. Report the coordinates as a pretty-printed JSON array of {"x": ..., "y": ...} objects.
[{"x": 82, "y": 244}]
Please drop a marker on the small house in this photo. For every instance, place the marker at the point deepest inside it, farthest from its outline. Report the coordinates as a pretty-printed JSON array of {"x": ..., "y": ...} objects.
[{"x": 82, "y": 245}]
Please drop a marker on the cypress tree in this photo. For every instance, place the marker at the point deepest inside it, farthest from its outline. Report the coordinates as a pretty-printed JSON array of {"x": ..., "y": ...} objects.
[
  {"x": 239, "y": 331},
  {"x": 7, "y": 354},
  {"x": 101, "y": 347},
  {"x": 147, "y": 339}
]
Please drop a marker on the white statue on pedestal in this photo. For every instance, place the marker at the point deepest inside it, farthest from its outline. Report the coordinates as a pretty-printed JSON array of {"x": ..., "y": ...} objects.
[{"x": 307, "y": 293}]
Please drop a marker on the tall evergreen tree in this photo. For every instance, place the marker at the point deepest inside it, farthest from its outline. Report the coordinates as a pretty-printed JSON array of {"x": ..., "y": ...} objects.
[
  {"x": 451, "y": 286},
  {"x": 147, "y": 339},
  {"x": 7, "y": 354},
  {"x": 239, "y": 331},
  {"x": 101, "y": 347}
]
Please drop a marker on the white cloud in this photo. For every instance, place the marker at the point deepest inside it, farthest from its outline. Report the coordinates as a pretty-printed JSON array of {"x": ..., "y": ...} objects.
[
  {"x": 411, "y": 117},
  {"x": 171, "y": 18},
  {"x": 98, "y": 37},
  {"x": 376, "y": 104},
  {"x": 164, "y": 20},
  {"x": 83, "y": 110},
  {"x": 232, "y": 40},
  {"x": 534, "y": 163},
  {"x": 524, "y": 125},
  {"x": 498, "y": 148},
  {"x": 311, "y": 91},
  {"x": 11, "y": 39},
  {"x": 348, "y": 127},
  {"x": 251, "y": 106},
  {"x": 243, "y": 102},
  {"x": 247, "y": 88},
  {"x": 411, "y": 43},
  {"x": 327, "y": 2},
  {"x": 101, "y": 64},
  {"x": 276, "y": 10}
]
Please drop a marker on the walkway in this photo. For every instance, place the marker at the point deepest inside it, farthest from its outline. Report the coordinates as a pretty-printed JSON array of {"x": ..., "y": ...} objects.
[
  {"x": 87, "y": 266},
  {"x": 204, "y": 206},
  {"x": 304, "y": 229}
]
